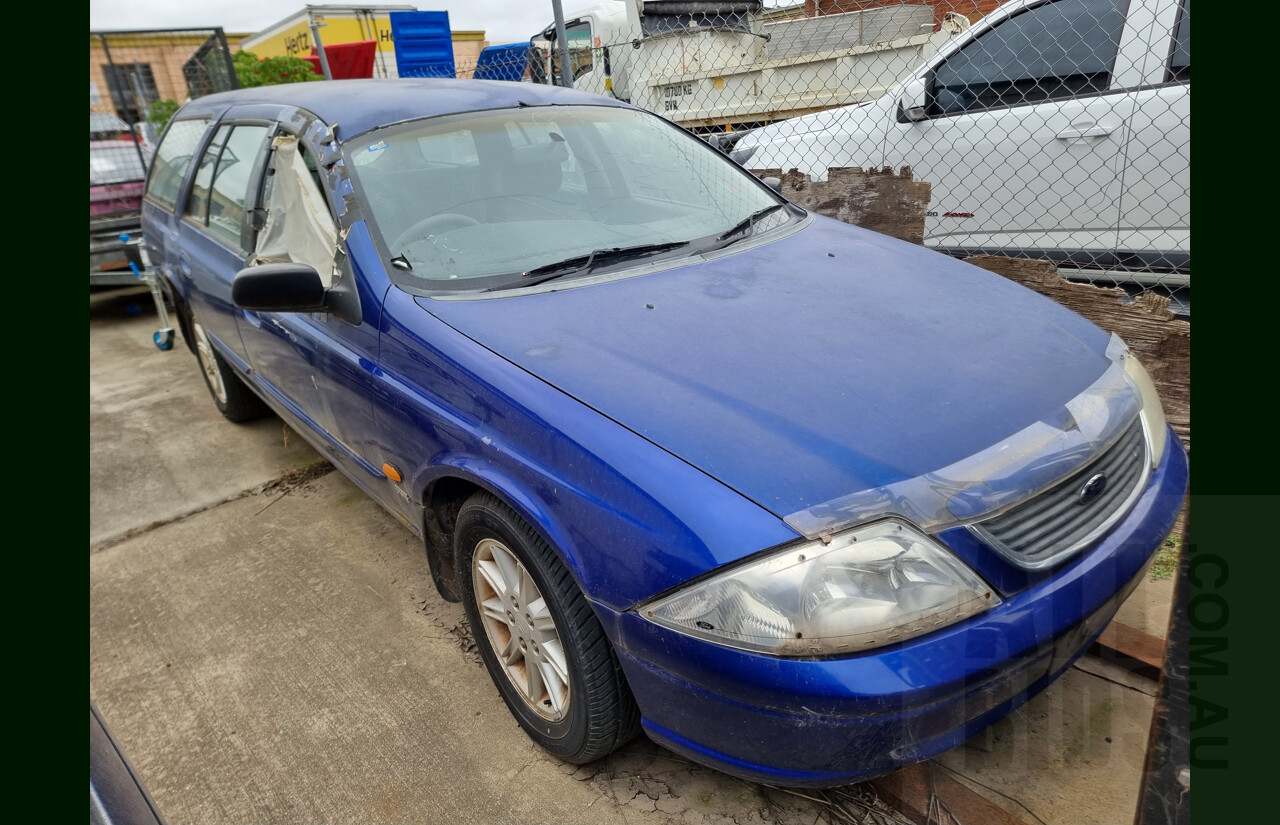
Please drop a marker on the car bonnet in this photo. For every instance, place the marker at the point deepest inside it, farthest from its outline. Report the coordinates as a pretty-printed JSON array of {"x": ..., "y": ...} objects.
[{"x": 830, "y": 363}]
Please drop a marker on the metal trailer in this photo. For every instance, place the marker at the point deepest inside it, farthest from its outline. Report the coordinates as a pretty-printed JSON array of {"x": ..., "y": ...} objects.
[{"x": 713, "y": 66}]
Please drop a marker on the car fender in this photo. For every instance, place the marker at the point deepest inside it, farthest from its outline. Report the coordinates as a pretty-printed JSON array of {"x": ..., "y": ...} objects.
[
  {"x": 488, "y": 476},
  {"x": 584, "y": 516}
]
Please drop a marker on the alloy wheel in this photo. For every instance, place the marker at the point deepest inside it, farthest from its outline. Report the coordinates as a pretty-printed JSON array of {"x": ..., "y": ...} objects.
[{"x": 520, "y": 629}]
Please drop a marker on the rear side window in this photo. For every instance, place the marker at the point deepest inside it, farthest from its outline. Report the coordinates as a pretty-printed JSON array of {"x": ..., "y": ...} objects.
[
  {"x": 222, "y": 181},
  {"x": 1180, "y": 63},
  {"x": 172, "y": 160},
  {"x": 197, "y": 207},
  {"x": 1059, "y": 49}
]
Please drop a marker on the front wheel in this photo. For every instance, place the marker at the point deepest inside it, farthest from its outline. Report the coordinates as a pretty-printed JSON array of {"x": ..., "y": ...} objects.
[{"x": 545, "y": 650}]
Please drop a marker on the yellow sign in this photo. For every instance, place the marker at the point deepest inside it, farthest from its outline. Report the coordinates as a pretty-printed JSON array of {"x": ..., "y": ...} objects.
[{"x": 295, "y": 41}]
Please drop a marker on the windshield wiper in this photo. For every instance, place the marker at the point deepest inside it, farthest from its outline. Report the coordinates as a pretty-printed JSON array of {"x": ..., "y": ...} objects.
[
  {"x": 585, "y": 263},
  {"x": 749, "y": 222}
]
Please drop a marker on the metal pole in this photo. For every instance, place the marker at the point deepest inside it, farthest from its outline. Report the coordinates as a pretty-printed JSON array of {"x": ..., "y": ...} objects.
[
  {"x": 139, "y": 94},
  {"x": 562, "y": 43},
  {"x": 102, "y": 38},
  {"x": 324, "y": 60},
  {"x": 226, "y": 54},
  {"x": 109, "y": 73},
  {"x": 144, "y": 110}
]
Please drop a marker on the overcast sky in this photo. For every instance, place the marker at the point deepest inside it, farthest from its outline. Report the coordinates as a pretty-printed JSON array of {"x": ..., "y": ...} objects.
[{"x": 503, "y": 21}]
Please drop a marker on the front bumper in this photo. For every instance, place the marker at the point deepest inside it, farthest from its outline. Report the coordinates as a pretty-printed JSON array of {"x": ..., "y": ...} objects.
[{"x": 827, "y": 722}]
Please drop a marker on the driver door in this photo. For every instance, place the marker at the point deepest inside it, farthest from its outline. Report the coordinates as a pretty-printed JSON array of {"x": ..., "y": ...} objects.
[
  {"x": 1022, "y": 138},
  {"x": 315, "y": 366}
]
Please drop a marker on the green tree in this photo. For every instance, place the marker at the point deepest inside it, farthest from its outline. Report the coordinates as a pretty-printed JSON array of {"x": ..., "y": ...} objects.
[
  {"x": 252, "y": 70},
  {"x": 161, "y": 111}
]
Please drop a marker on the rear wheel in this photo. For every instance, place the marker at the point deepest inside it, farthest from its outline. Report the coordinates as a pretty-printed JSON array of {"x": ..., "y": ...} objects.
[
  {"x": 230, "y": 394},
  {"x": 543, "y": 646}
]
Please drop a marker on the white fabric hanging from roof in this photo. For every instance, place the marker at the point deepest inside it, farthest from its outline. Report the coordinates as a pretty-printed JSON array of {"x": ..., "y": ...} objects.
[{"x": 299, "y": 227}]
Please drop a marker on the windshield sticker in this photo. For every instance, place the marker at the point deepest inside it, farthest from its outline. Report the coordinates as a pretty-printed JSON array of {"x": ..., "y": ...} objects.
[{"x": 378, "y": 147}]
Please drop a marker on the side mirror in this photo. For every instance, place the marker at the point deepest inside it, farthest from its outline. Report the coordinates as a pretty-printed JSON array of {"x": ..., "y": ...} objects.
[
  {"x": 913, "y": 100},
  {"x": 289, "y": 287},
  {"x": 773, "y": 183},
  {"x": 294, "y": 287}
]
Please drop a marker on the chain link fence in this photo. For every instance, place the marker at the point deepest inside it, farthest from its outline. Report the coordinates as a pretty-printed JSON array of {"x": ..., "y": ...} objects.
[
  {"x": 1057, "y": 130},
  {"x": 136, "y": 80}
]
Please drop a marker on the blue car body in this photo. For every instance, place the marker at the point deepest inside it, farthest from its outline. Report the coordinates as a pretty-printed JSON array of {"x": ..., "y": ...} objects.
[{"x": 656, "y": 428}]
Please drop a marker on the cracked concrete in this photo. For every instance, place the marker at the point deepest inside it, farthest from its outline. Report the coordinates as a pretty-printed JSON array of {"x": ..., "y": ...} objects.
[{"x": 293, "y": 662}]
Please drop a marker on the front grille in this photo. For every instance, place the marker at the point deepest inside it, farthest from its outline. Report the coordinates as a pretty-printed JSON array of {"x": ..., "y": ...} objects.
[{"x": 1055, "y": 524}]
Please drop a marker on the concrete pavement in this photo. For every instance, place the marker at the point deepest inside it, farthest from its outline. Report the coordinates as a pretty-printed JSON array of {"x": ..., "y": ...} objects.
[{"x": 157, "y": 447}]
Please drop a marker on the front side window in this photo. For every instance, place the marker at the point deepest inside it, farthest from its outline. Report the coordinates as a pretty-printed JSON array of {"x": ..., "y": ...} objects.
[
  {"x": 1056, "y": 50},
  {"x": 222, "y": 180},
  {"x": 172, "y": 160},
  {"x": 546, "y": 184},
  {"x": 579, "y": 45},
  {"x": 580, "y": 54},
  {"x": 231, "y": 181}
]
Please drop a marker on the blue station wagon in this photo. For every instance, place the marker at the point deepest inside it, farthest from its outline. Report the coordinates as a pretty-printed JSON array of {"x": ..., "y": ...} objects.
[{"x": 803, "y": 502}]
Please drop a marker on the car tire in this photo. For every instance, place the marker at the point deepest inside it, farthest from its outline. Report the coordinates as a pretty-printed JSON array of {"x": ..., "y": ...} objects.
[
  {"x": 231, "y": 395},
  {"x": 524, "y": 607}
]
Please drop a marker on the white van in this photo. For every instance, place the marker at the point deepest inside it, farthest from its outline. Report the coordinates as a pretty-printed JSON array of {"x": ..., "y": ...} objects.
[{"x": 1057, "y": 129}]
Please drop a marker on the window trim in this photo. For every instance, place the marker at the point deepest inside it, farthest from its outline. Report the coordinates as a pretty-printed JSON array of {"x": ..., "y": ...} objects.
[{"x": 1184, "y": 9}]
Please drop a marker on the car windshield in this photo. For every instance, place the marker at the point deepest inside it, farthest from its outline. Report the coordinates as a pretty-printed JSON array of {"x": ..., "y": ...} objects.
[
  {"x": 479, "y": 200},
  {"x": 114, "y": 161}
]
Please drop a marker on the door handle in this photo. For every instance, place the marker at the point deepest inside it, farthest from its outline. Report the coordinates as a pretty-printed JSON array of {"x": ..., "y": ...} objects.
[
  {"x": 1095, "y": 130},
  {"x": 183, "y": 265}
]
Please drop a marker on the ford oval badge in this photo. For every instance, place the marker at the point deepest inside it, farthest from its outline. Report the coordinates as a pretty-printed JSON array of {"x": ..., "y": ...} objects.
[{"x": 1092, "y": 488}]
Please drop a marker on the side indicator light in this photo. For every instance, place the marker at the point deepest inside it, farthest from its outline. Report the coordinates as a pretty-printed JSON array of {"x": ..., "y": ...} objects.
[{"x": 391, "y": 471}]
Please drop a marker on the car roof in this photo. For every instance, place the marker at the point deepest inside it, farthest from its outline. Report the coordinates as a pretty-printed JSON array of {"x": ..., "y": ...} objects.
[
  {"x": 360, "y": 105},
  {"x": 105, "y": 122}
]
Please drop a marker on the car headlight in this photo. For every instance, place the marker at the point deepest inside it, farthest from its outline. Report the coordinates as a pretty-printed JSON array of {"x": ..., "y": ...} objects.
[
  {"x": 1152, "y": 410},
  {"x": 867, "y": 587}
]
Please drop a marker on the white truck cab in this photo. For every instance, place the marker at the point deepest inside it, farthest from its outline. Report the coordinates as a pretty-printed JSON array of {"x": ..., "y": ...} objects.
[
  {"x": 1056, "y": 129},
  {"x": 593, "y": 35}
]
